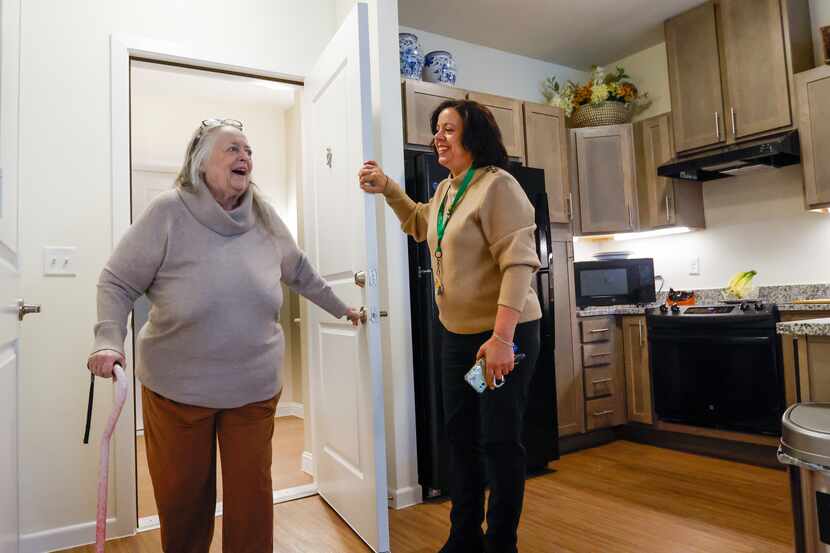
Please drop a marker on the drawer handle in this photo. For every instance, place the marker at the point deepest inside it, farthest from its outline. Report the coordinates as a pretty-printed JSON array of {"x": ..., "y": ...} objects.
[
  {"x": 601, "y": 380},
  {"x": 600, "y": 354},
  {"x": 603, "y": 413},
  {"x": 598, "y": 330}
]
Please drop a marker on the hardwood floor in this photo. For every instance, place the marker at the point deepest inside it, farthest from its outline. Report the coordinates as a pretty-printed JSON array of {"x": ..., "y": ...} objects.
[
  {"x": 619, "y": 498},
  {"x": 287, "y": 447}
]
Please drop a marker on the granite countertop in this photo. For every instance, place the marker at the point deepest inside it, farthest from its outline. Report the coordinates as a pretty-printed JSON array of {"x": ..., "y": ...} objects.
[
  {"x": 812, "y": 327},
  {"x": 614, "y": 310},
  {"x": 783, "y": 296},
  {"x": 803, "y": 306}
]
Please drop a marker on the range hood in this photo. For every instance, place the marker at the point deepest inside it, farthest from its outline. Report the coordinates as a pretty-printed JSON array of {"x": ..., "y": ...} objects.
[{"x": 773, "y": 151}]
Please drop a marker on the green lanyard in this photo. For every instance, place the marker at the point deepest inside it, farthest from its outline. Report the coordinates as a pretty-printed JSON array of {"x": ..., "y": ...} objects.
[{"x": 442, "y": 224}]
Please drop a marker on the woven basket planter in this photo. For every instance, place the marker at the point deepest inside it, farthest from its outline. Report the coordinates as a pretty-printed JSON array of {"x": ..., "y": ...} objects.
[{"x": 606, "y": 113}]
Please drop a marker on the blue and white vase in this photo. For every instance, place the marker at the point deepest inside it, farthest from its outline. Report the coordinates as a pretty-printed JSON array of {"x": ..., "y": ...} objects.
[
  {"x": 439, "y": 67},
  {"x": 412, "y": 61}
]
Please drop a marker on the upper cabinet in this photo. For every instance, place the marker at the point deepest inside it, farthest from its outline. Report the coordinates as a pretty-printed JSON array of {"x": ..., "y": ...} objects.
[
  {"x": 694, "y": 78},
  {"x": 813, "y": 91},
  {"x": 663, "y": 202},
  {"x": 754, "y": 56},
  {"x": 547, "y": 149},
  {"x": 603, "y": 179},
  {"x": 533, "y": 133},
  {"x": 730, "y": 69},
  {"x": 420, "y": 100},
  {"x": 508, "y": 115}
]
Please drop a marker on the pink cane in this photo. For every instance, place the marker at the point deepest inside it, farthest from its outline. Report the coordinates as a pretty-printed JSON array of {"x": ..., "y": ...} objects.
[{"x": 104, "y": 461}]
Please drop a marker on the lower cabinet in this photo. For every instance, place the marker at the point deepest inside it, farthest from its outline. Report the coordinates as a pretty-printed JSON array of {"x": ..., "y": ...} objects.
[
  {"x": 602, "y": 371},
  {"x": 637, "y": 371}
]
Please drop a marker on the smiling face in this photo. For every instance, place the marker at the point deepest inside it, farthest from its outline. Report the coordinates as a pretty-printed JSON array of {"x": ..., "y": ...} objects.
[
  {"x": 228, "y": 168},
  {"x": 451, "y": 152}
]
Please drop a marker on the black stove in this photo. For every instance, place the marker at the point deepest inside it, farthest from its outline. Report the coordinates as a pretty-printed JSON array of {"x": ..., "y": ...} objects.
[
  {"x": 717, "y": 366},
  {"x": 720, "y": 313}
]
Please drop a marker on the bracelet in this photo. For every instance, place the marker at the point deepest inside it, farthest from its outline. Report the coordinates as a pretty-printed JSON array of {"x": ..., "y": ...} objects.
[{"x": 502, "y": 340}]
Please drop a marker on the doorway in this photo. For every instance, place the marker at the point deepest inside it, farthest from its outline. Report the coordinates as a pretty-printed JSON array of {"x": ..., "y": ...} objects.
[{"x": 167, "y": 103}]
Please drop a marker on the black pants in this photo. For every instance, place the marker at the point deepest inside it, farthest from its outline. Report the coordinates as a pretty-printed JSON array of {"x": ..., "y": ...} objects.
[{"x": 486, "y": 449}]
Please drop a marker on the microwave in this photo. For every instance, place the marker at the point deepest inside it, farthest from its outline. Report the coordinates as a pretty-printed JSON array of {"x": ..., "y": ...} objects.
[{"x": 614, "y": 282}]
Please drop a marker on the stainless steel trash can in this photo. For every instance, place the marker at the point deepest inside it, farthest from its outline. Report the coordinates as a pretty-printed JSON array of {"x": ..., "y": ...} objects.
[{"x": 805, "y": 447}]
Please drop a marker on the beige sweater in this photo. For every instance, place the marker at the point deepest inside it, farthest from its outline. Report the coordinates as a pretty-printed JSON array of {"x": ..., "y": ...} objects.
[{"x": 489, "y": 252}]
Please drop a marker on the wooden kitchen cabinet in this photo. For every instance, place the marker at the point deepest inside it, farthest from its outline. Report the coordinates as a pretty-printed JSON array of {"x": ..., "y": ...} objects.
[
  {"x": 754, "y": 57},
  {"x": 420, "y": 100},
  {"x": 731, "y": 66},
  {"x": 570, "y": 400},
  {"x": 508, "y": 115},
  {"x": 603, "y": 372},
  {"x": 637, "y": 371},
  {"x": 603, "y": 179},
  {"x": 695, "y": 79},
  {"x": 663, "y": 202},
  {"x": 546, "y": 147},
  {"x": 813, "y": 92}
]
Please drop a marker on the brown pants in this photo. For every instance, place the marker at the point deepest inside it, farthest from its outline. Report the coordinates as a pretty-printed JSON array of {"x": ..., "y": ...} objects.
[{"x": 181, "y": 455}]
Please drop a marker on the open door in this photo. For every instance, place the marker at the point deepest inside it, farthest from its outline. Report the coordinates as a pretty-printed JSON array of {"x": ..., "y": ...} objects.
[
  {"x": 9, "y": 272},
  {"x": 345, "y": 373}
]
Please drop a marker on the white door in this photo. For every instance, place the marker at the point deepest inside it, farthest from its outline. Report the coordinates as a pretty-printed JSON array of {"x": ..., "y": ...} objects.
[
  {"x": 346, "y": 384},
  {"x": 9, "y": 272}
]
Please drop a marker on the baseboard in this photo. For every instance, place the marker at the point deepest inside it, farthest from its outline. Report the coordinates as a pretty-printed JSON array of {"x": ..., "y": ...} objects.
[
  {"x": 307, "y": 463},
  {"x": 405, "y": 497},
  {"x": 742, "y": 452},
  {"x": 57, "y": 539},
  {"x": 291, "y": 409}
]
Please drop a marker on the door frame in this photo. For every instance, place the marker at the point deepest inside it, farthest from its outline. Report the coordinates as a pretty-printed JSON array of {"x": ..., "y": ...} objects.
[{"x": 123, "y": 48}]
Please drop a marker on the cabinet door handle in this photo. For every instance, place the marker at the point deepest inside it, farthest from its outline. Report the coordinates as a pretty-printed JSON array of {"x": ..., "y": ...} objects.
[
  {"x": 569, "y": 202},
  {"x": 732, "y": 112},
  {"x": 640, "y": 328},
  {"x": 668, "y": 213},
  {"x": 597, "y": 330},
  {"x": 600, "y": 354},
  {"x": 601, "y": 380},
  {"x": 603, "y": 413},
  {"x": 717, "y": 125},
  {"x": 630, "y": 218}
]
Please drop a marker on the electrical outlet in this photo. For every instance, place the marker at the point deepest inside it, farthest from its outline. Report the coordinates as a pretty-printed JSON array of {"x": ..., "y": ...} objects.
[
  {"x": 694, "y": 266},
  {"x": 59, "y": 261}
]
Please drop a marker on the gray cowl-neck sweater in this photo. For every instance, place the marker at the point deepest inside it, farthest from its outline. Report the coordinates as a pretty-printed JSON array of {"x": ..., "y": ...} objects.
[{"x": 213, "y": 280}]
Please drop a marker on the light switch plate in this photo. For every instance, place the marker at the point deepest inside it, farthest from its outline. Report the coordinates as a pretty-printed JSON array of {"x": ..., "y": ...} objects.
[
  {"x": 59, "y": 261},
  {"x": 694, "y": 266}
]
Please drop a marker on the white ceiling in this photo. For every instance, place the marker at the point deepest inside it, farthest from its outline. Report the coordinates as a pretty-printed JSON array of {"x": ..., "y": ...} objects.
[
  {"x": 153, "y": 79},
  {"x": 575, "y": 33}
]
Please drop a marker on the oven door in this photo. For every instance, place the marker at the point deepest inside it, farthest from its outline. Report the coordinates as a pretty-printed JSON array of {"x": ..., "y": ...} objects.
[{"x": 718, "y": 378}]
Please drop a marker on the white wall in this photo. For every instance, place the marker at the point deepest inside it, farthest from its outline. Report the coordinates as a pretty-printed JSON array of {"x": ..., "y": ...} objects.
[
  {"x": 483, "y": 69},
  {"x": 752, "y": 222},
  {"x": 649, "y": 70},
  {"x": 66, "y": 200},
  {"x": 756, "y": 221}
]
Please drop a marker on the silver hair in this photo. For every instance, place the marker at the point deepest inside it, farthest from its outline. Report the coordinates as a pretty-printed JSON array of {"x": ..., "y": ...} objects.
[{"x": 192, "y": 174}]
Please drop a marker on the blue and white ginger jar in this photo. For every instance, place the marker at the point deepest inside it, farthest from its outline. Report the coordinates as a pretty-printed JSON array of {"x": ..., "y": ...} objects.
[
  {"x": 412, "y": 61},
  {"x": 439, "y": 67}
]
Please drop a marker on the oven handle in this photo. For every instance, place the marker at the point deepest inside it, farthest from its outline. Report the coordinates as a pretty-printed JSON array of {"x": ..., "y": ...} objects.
[{"x": 698, "y": 339}]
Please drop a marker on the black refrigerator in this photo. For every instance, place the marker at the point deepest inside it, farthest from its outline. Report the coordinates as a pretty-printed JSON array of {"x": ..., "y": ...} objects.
[{"x": 423, "y": 174}]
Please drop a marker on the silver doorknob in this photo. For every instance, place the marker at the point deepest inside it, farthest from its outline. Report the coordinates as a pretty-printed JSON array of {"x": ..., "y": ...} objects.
[
  {"x": 24, "y": 309},
  {"x": 360, "y": 279},
  {"x": 364, "y": 315}
]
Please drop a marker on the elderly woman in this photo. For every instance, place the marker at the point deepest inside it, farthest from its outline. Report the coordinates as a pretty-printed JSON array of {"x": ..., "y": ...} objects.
[
  {"x": 210, "y": 256},
  {"x": 479, "y": 226}
]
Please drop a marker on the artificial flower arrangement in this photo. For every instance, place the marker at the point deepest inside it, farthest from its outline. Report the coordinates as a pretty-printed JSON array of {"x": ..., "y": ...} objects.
[{"x": 602, "y": 87}]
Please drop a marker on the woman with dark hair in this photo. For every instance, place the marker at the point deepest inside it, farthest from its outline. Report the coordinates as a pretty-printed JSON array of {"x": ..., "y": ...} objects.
[{"x": 479, "y": 226}]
